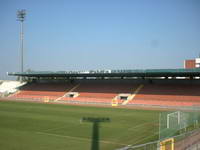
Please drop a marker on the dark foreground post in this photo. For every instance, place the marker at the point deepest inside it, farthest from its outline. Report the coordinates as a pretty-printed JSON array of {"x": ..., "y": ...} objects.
[
  {"x": 95, "y": 136},
  {"x": 95, "y": 132}
]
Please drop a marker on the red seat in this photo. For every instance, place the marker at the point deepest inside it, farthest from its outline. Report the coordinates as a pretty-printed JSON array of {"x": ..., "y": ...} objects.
[
  {"x": 170, "y": 95},
  {"x": 43, "y": 90}
]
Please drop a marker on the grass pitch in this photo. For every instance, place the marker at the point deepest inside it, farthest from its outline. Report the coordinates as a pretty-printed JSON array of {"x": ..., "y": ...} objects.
[{"x": 31, "y": 126}]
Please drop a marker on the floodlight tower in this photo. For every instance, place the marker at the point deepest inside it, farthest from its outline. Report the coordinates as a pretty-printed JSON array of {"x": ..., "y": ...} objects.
[
  {"x": 95, "y": 133},
  {"x": 21, "y": 17}
]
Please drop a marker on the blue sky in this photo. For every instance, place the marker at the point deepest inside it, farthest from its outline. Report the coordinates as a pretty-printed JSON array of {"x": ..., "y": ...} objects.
[{"x": 104, "y": 34}]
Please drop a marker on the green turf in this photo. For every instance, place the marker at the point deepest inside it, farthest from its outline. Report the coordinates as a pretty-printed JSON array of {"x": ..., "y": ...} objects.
[{"x": 31, "y": 126}]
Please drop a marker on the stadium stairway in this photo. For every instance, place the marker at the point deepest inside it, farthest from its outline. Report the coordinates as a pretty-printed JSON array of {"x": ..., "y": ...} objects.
[
  {"x": 133, "y": 95},
  {"x": 62, "y": 97},
  {"x": 100, "y": 93}
]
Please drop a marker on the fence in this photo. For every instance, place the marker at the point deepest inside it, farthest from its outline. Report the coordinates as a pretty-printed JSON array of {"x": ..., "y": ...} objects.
[
  {"x": 186, "y": 141},
  {"x": 177, "y": 131}
]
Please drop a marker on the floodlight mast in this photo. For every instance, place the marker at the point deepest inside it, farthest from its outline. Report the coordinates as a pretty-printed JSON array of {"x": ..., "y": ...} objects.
[{"x": 21, "y": 17}]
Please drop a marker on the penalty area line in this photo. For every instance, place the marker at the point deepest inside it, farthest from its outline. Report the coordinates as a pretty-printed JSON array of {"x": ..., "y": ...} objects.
[{"x": 79, "y": 138}]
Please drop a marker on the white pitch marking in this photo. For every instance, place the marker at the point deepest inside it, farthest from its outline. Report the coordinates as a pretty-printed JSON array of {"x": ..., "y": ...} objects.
[
  {"x": 51, "y": 129},
  {"x": 79, "y": 138},
  {"x": 137, "y": 126}
]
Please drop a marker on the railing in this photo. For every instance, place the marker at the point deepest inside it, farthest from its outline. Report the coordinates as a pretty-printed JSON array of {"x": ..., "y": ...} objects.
[{"x": 186, "y": 141}]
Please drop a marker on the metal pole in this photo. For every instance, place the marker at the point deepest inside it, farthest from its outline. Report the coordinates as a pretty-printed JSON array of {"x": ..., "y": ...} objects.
[
  {"x": 22, "y": 46},
  {"x": 21, "y": 17}
]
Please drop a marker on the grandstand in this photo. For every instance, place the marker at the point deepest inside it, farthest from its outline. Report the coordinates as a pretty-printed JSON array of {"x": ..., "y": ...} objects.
[{"x": 159, "y": 87}]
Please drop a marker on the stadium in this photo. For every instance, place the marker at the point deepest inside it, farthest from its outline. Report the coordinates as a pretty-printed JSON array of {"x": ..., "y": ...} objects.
[
  {"x": 95, "y": 108},
  {"x": 162, "y": 104}
]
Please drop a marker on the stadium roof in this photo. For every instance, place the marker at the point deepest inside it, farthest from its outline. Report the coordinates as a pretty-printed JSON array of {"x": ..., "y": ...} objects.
[{"x": 114, "y": 73}]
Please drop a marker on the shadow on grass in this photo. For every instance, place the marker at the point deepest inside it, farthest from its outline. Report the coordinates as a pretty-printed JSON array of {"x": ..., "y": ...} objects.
[{"x": 95, "y": 129}]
